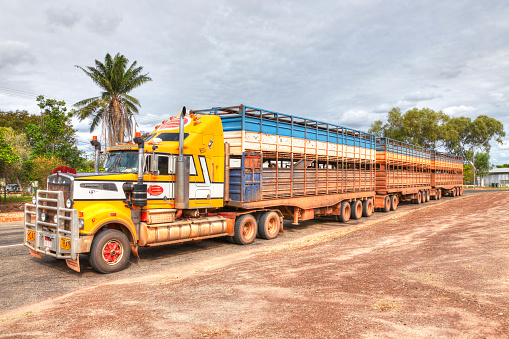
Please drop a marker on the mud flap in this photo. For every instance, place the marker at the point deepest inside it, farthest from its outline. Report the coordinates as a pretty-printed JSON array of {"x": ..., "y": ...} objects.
[
  {"x": 35, "y": 254},
  {"x": 73, "y": 264},
  {"x": 134, "y": 250}
]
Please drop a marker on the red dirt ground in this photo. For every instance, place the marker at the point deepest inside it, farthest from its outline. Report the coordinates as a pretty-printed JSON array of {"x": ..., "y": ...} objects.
[{"x": 440, "y": 271}]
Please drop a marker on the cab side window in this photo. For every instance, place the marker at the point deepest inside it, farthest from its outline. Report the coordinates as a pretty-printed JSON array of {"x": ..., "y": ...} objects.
[{"x": 162, "y": 165}]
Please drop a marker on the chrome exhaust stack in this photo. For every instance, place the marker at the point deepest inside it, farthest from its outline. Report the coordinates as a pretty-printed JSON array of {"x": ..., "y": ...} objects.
[
  {"x": 182, "y": 170},
  {"x": 139, "y": 193},
  {"x": 97, "y": 152}
]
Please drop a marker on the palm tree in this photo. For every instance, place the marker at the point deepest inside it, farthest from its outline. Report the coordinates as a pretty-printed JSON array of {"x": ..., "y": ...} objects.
[{"x": 115, "y": 107}]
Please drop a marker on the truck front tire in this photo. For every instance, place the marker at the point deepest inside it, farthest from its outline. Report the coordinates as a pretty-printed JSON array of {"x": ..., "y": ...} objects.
[{"x": 110, "y": 251}]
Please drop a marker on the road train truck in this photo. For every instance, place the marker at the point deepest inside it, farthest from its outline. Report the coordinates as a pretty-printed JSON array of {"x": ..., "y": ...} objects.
[{"x": 233, "y": 172}]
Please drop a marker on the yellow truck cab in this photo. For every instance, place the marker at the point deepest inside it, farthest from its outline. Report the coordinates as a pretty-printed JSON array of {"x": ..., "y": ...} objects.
[{"x": 109, "y": 214}]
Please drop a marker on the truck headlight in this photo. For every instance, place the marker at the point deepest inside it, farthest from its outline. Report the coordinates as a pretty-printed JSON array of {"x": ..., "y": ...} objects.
[
  {"x": 82, "y": 223},
  {"x": 43, "y": 216},
  {"x": 68, "y": 203},
  {"x": 55, "y": 218},
  {"x": 34, "y": 200}
]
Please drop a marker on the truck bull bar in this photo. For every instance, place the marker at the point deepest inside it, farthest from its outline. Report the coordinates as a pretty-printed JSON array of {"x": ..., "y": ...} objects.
[{"x": 50, "y": 237}]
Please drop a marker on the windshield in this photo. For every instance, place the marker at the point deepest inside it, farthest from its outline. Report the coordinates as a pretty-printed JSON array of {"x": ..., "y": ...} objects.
[{"x": 121, "y": 162}]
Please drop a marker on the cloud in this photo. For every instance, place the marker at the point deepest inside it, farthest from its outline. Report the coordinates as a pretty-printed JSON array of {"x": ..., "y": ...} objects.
[
  {"x": 62, "y": 16},
  {"x": 419, "y": 96},
  {"x": 103, "y": 22},
  {"x": 459, "y": 110},
  {"x": 450, "y": 74},
  {"x": 13, "y": 53},
  {"x": 505, "y": 145},
  {"x": 356, "y": 119}
]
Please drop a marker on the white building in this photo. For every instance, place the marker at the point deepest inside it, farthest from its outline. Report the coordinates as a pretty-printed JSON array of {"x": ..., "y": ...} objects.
[{"x": 498, "y": 176}]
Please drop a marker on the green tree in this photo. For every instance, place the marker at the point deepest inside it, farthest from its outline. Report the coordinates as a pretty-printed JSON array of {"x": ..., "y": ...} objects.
[
  {"x": 40, "y": 167},
  {"x": 422, "y": 127},
  {"x": 482, "y": 163},
  {"x": 53, "y": 135},
  {"x": 16, "y": 145},
  {"x": 7, "y": 156},
  {"x": 468, "y": 138},
  {"x": 468, "y": 174},
  {"x": 114, "y": 108},
  {"x": 17, "y": 120}
]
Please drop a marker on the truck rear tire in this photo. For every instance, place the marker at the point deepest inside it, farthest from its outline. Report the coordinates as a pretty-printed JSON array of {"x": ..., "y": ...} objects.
[
  {"x": 356, "y": 209},
  {"x": 245, "y": 229},
  {"x": 367, "y": 207},
  {"x": 419, "y": 197},
  {"x": 110, "y": 251},
  {"x": 387, "y": 204},
  {"x": 268, "y": 225},
  {"x": 439, "y": 194},
  {"x": 345, "y": 211},
  {"x": 394, "y": 202}
]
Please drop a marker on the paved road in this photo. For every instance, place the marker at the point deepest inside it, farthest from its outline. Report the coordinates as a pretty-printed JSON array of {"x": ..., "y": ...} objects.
[{"x": 25, "y": 279}]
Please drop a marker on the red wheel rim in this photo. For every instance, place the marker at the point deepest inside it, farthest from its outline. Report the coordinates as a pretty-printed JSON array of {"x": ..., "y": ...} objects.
[
  {"x": 272, "y": 226},
  {"x": 248, "y": 230},
  {"x": 112, "y": 252}
]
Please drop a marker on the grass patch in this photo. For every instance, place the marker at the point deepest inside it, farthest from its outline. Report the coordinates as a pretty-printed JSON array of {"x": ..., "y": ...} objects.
[
  {"x": 166, "y": 280},
  {"x": 28, "y": 314},
  {"x": 14, "y": 199},
  {"x": 384, "y": 305},
  {"x": 214, "y": 332}
]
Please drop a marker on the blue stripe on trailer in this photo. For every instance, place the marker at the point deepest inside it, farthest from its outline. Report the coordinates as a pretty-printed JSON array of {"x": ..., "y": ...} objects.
[{"x": 251, "y": 119}]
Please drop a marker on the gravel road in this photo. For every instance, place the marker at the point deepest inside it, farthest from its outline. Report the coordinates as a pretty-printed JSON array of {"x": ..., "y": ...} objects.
[{"x": 441, "y": 270}]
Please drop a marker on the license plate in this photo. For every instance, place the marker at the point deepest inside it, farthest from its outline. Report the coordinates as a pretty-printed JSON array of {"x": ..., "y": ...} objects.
[
  {"x": 48, "y": 242},
  {"x": 30, "y": 235},
  {"x": 65, "y": 244}
]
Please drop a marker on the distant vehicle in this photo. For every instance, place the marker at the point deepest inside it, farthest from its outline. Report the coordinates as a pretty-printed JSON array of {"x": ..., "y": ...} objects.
[{"x": 13, "y": 188}]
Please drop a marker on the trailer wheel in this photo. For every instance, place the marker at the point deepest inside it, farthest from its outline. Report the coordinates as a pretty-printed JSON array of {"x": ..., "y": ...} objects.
[
  {"x": 110, "y": 251},
  {"x": 367, "y": 208},
  {"x": 394, "y": 202},
  {"x": 245, "y": 229},
  {"x": 387, "y": 204},
  {"x": 426, "y": 196},
  {"x": 257, "y": 216},
  {"x": 419, "y": 197},
  {"x": 356, "y": 209},
  {"x": 461, "y": 190},
  {"x": 439, "y": 194},
  {"x": 345, "y": 211},
  {"x": 452, "y": 192},
  {"x": 269, "y": 224}
]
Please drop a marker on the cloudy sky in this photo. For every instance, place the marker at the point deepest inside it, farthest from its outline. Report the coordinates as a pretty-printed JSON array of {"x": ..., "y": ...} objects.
[{"x": 344, "y": 62}]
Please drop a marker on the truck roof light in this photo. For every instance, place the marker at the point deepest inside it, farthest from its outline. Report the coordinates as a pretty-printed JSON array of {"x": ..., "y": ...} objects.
[{"x": 138, "y": 134}]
